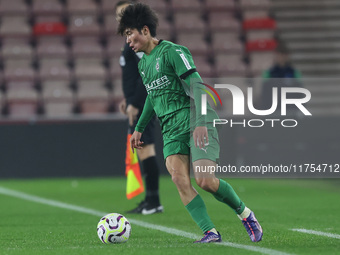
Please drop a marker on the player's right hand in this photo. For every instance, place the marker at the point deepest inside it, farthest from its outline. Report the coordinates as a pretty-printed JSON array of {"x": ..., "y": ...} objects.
[
  {"x": 122, "y": 106},
  {"x": 135, "y": 142}
]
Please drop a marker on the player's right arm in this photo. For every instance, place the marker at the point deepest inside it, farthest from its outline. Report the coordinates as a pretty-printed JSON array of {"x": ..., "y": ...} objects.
[{"x": 147, "y": 114}]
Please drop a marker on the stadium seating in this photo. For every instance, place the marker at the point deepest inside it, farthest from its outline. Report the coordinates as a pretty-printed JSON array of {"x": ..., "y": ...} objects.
[
  {"x": 47, "y": 7},
  {"x": 219, "y": 6},
  {"x": 22, "y": 98},
  {"x": 15, "y": 26},
  {"x": 13, "y": 7},
  {"x": 57, "y": 43},
  {"x": 58, "y": 98}
]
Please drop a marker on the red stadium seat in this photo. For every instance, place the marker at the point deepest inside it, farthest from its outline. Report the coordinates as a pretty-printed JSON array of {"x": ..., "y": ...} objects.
[
  {"x": 259, "y": 23},
  {"x": 259, "y": 28},
  {"x": 49, "y": 28}
]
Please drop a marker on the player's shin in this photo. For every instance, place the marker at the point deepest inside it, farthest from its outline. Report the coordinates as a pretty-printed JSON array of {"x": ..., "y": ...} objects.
[
  {"x": 199, "y": 214},
  {"x": 227, "y": 195}
]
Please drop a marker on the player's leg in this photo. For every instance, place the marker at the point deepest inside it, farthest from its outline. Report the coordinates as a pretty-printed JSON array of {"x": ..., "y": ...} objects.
[
  {"x": 179, "y": 168},
  {"x": 206, "y": 158},
  {"x": 224, "y": 193},
  {"x": 220, "y": 189},
  {"x": 147, "y": 157}
]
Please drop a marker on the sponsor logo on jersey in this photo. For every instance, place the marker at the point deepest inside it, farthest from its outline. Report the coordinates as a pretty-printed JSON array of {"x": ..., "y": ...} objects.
[
  {"x": 186, "y": 62},
  {"x": 157, "y": 64},
  {"x": 160, "y": 83}
]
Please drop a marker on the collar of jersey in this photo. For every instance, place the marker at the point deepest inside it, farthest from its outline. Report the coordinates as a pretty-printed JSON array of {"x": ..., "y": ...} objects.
[{"x": 154, "y": 49}]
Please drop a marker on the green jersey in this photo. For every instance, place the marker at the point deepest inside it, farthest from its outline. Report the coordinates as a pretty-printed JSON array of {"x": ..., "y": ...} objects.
[{"x": 163, "y": 72}]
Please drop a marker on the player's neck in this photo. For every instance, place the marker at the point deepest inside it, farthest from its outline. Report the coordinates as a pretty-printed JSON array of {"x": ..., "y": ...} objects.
[{"x": 151, "y": 45}]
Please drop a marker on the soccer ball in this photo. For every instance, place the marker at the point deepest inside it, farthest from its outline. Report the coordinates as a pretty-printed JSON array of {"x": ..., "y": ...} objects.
[{"x": 114, "y": 228}]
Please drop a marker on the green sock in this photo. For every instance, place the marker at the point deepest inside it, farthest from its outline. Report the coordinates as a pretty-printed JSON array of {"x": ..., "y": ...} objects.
[
  {"x": 199, "y": 214},
  {"x": 227, "y": 195}
]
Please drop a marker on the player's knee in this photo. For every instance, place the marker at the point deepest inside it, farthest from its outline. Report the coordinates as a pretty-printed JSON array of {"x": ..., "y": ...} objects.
[
  {"x": 205, "y": 184},
  {"x": 147, "y": 152},
  {"x": 180, "y": 180}
]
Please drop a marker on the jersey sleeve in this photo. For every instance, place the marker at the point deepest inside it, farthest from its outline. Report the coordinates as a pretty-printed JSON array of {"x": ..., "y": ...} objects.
[
  {"x": 146, "y": 116},
  {"x": 181, "y": 60}
]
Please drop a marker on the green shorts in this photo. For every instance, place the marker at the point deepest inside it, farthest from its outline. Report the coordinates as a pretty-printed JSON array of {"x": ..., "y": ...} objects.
[{"x": 185, "y": 146}]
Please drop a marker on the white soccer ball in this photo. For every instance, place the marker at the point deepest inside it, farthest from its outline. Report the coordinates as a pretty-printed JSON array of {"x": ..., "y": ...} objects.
[{"x": 114, "y": 228}]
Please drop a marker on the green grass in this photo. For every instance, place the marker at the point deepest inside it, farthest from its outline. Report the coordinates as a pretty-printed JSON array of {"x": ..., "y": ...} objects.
[{"x": 280, "y": 205}]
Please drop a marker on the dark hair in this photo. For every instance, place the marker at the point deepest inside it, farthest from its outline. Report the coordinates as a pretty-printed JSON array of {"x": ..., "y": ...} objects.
[
  {"x": 137, "y": 16},
  {"x": 123, "y": 2}
]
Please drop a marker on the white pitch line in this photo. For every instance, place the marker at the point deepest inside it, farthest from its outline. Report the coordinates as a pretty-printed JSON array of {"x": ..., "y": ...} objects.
[
  {"x": 172, "y": 231},
  {"x": 318, "y": 233}
]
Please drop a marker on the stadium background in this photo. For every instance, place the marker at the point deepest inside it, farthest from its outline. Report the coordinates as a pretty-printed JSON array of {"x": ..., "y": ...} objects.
[{"x": 60, "y": 79}]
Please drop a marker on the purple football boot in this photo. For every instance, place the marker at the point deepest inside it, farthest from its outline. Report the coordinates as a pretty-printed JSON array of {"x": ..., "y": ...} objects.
[
  {"x": 210, "y": 237},
  {"x": 253, "y": 228}
]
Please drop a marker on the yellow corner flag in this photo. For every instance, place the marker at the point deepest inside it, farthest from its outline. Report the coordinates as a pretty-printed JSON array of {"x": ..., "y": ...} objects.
[{"x": 134, "y": 185}]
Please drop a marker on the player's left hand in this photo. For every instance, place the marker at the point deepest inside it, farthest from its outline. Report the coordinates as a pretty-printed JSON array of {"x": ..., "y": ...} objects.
[
  {"x": 132, "y": 113},
  {"x": 135, "y": 141},
  {"x": 200, "y": 137}
]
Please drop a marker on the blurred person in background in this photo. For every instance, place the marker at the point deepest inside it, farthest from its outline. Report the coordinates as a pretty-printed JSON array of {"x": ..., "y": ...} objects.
[
  {"x": 281, "y": 74},
  {"x": 132, "y": 106}
]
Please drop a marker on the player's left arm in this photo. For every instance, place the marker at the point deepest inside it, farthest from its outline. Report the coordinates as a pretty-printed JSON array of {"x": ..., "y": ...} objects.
[{"x": 183, "y": 64}]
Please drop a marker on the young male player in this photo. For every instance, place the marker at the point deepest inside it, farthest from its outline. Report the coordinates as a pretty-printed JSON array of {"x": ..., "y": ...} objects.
[
  {"x": 168, "y": 72},
  {"x": 132, "y": 106}
]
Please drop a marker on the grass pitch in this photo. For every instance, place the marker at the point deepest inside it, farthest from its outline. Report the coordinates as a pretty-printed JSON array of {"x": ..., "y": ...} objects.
[{"x": 27, "y": 227}]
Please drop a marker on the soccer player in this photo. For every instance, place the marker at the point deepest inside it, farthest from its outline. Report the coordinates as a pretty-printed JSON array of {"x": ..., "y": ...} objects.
[
  {"x": 169, "y": 75},
  {"x": 132, "y": 106}
]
